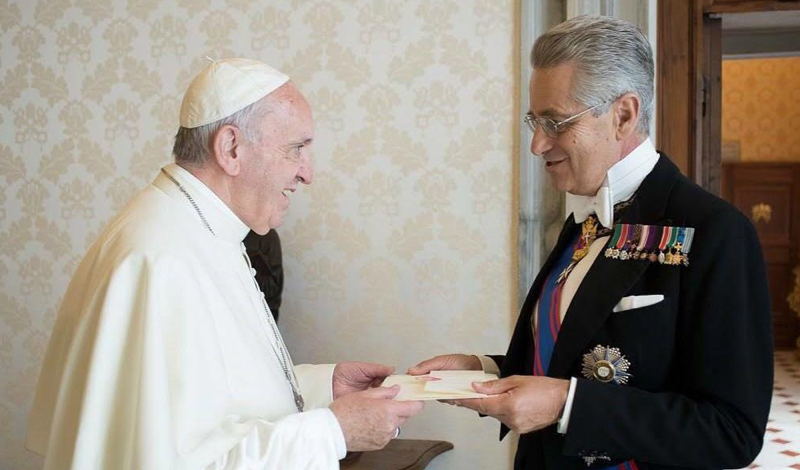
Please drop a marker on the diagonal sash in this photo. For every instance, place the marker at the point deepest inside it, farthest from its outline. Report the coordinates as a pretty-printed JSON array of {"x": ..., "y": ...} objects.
[{"x": 549, "y": 314}]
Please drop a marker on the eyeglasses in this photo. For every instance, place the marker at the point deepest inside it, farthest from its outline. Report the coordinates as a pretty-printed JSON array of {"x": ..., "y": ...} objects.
[{"x": 551, "y": 127}]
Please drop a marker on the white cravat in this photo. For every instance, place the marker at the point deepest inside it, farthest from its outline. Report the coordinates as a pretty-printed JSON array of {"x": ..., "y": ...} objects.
[{"x": 621, "y": 181}]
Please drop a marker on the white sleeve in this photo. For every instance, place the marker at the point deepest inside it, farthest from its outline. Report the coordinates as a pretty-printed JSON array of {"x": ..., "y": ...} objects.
[
  {"x": 289, "y": 442},
  {"x": 160, "y": 388},
  {"x": 305, "y": 440},
  {"x": 316, "y": 384},
  {"x": 212, "y": 410},
  {"x": 563, "y": 422}
]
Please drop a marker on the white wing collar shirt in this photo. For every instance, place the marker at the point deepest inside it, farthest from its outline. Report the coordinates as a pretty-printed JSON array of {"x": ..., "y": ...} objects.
[
  {"x": 162, "y": 356},
  {"x": 621, "y": 181}
]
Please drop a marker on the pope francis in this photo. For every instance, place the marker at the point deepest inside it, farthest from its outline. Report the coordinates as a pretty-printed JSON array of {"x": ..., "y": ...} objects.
[{"x": 164, "y": 354}]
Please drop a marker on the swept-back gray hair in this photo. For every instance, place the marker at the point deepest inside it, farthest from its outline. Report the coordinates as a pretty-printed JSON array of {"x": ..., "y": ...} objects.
[
  {"x": 612, "y": 57},
  {"x": 193, "y": 146}
]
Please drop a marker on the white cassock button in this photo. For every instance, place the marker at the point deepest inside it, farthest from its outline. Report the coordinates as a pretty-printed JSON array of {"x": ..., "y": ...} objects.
[{"x": 252, "y": 272}]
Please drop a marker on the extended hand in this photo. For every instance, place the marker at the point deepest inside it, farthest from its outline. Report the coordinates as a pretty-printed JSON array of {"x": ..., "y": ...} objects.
[
  {"x": 349, "y": 377},
  {"x": 522, "y": 403},
  {"x": 446, "y": 362},
  {"x": 369, "y": 418}
]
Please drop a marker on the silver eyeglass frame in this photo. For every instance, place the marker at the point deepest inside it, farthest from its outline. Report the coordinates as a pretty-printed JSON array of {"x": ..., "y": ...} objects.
[{"x": 552, "y": 127}]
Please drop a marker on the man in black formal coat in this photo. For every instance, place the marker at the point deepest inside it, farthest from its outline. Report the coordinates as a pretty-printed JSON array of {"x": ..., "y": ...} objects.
[{"x": 645, "y": 341}]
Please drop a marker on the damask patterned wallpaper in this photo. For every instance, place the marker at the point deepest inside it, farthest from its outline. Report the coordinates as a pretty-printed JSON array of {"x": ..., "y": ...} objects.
[
  {"x": 761, "y": 107},
  {"x": 402, "y": 248}
]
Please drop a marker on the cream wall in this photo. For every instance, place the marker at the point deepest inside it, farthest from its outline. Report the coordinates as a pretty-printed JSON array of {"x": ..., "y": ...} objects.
[{"x": 402, "y": 248}]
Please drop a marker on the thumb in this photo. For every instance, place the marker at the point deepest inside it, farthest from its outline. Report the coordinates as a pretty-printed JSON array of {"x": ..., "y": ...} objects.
[
  {"x": 380, "y": 370},
  {"x": 386, "y": 393},
  {"x": 494, "y": 387}
]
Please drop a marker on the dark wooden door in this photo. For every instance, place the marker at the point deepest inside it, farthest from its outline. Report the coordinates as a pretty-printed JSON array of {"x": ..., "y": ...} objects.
[
  {"x": 769, "y": 194},
  {"x": 689, "y": 57}
]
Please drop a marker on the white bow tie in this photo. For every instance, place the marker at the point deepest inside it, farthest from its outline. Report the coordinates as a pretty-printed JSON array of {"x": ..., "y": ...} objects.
[{"x": 601, "y": 204}]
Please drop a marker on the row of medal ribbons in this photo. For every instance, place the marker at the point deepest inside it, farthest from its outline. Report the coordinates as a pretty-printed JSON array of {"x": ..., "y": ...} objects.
[{"x": 662, "y": 244}]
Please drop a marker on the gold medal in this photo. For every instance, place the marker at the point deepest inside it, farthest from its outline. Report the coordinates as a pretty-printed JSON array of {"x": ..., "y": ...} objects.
[
  {"x": 587, "y": 237},
  {"x": 603, "y": 371}
]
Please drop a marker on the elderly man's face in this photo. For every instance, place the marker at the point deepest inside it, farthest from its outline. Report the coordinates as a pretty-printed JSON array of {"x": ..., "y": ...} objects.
[
  {"x": 272, "y": 168},
  {"x": 579, "y": 157}
]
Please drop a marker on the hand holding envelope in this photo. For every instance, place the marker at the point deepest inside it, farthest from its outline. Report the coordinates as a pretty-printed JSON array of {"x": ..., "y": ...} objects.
[
  {"x": 523, "y": 403},
  {"x": 439, "y": 385}
]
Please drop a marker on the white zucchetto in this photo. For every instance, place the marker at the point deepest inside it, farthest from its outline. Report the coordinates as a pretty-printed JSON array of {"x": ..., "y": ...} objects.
[{"x": 227, "y": 86}]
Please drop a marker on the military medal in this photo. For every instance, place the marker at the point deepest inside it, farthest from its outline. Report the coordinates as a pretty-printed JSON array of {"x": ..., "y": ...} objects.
[
  {"x": 589, "y": 233},
  {"x": 687, "y": 243},
  {"x": 617, "y": 241},
  {"x": 606, "y": 364},
  {"x": 648, "y": 252},
  {"x": 665, "y": 245},
  {"x": 673, "y": 237},
  {"x": 677, "y": 257},
  {"x": 633, "y": 252},
  {"x": 642, "y": 246}
]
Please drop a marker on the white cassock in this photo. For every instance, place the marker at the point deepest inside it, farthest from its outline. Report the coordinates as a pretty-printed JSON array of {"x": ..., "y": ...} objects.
[{"x": 163, "y": 357}]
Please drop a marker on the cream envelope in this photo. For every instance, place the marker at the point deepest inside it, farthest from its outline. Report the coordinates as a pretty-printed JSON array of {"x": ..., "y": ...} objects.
[
  {"x": 438, "y": 386},
  {"x": 456, "y": 381}
]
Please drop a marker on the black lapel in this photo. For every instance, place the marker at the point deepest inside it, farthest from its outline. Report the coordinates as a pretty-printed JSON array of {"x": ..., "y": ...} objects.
[{"x": 608, "y": 279}]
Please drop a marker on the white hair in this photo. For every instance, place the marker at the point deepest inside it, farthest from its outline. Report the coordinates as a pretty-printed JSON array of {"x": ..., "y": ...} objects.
[
  {"x": 193, "y": 146},
  {"x": 612, "y": 57}
]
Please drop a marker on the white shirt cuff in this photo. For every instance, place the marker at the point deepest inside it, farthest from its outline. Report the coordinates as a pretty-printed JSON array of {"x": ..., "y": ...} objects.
[
  {"x": 488, "y": 365},
  {"x": 316, "y": 384},
  {"x": 563, "y": 423}
]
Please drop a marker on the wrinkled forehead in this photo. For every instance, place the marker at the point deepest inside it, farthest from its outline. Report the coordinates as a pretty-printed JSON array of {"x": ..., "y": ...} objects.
[
  {"x": 288, "y": 100},
  {"x": 288, "y": 112}
]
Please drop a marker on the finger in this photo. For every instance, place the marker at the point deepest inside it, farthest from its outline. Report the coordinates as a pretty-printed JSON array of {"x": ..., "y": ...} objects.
[
  {"x": 424, "y": 367},
  {"x": 381, "y": 392},
  {"x": 471, "y": 403},
  {"x": 406, "y": 409},
  {"x": 377, "y": 370},
  {"x": 494, "y": 387}
]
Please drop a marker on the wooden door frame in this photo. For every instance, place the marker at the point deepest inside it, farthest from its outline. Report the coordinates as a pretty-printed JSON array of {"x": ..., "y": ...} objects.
[{"x": 689, "y": 98}]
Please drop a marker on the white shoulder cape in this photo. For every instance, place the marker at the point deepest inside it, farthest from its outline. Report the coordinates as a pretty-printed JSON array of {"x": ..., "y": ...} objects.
[{"x": 162, "y": 356}]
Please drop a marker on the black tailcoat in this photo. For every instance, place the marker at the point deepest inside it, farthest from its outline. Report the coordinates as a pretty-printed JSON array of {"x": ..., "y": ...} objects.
[{"x": 702, "y": 359}]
